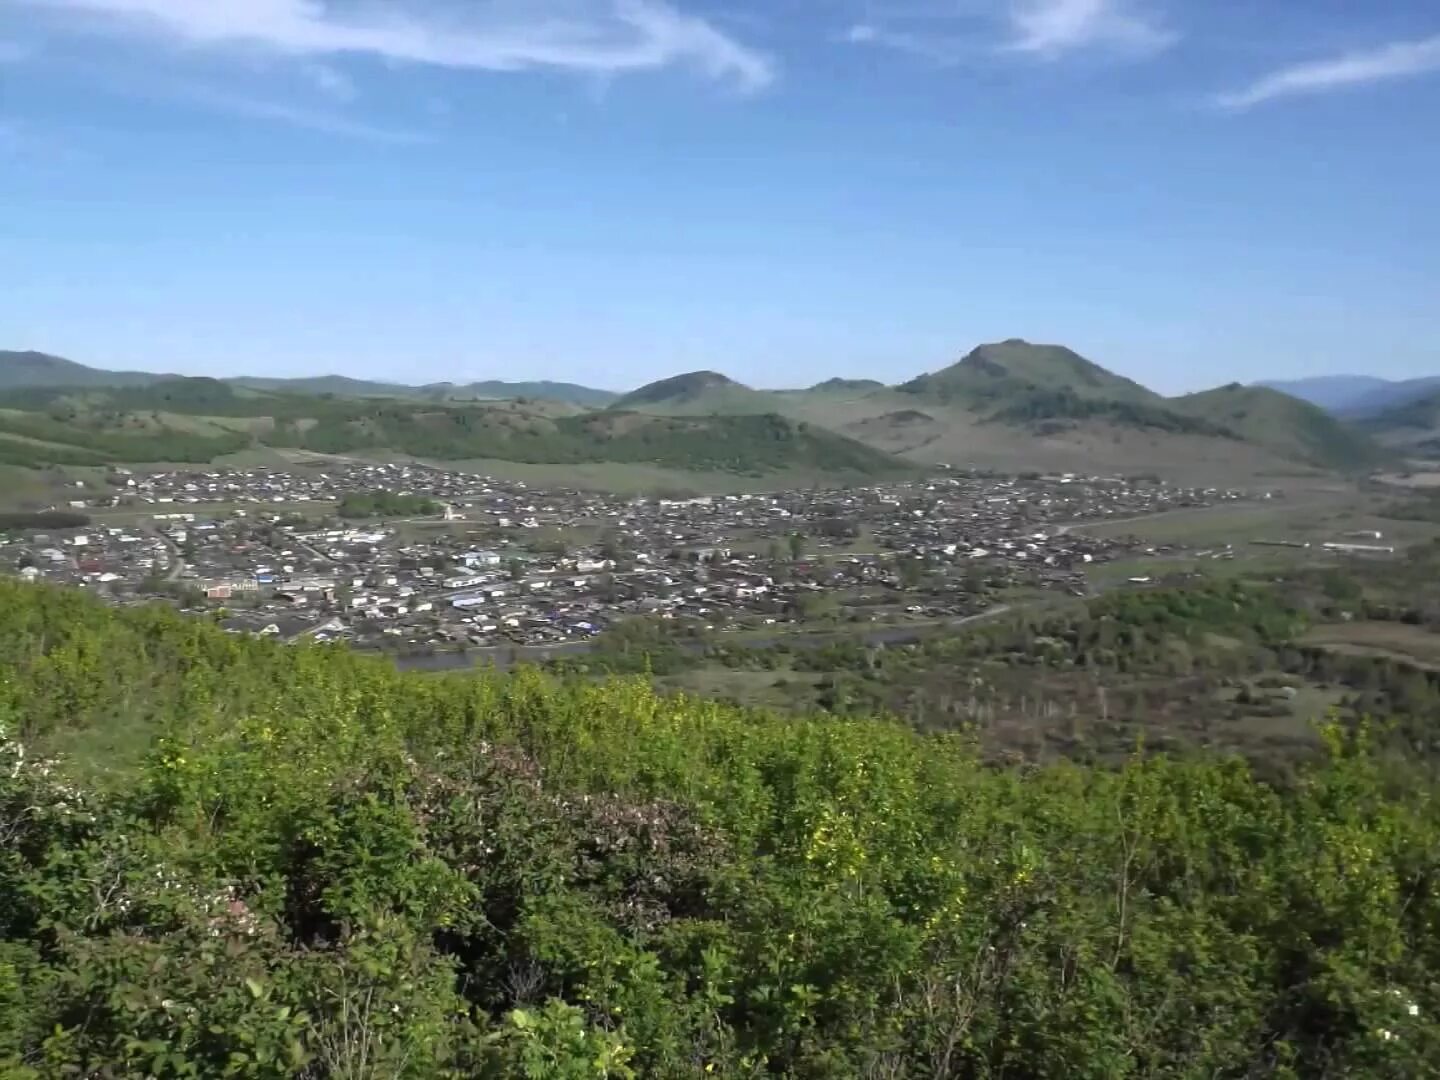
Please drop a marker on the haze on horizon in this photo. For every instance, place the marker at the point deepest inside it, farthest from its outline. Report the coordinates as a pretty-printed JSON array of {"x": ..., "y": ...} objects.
[{"x": 613, "y": 191}]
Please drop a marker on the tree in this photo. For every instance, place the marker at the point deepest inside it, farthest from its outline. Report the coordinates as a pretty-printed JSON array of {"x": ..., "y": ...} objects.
[{"x": 797, "y": 546}]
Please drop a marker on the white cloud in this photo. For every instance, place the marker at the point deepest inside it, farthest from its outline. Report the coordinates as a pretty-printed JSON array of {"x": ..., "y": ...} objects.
[
  {"x": 1050, "y": 28},
  {"x": 1393, "y": 61},
  {"x": 587, "y": 36},
  {"x": 1047, "y": 29}
]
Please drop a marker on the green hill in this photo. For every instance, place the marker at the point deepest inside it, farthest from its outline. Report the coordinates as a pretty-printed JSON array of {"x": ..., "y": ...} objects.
[
  {"x": 1293, "y": 428},
  {"x": 1410, "y": 428},
  {"x": 277, "y": 861},
  {"x": 847, "y": 386},
  {"x": 993, "y": 377},
  {"x": 342, "y": 386},
  {"x": 26, "y": 369},
  {"x": 200, "y": 419},
  {"x": 697, "y": 393}
]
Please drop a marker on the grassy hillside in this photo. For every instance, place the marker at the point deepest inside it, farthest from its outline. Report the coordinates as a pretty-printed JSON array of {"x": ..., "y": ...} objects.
[
  {"x": 269, "y": 861},
  {"x": 341, "y": 386},
  {"x": 24, "y": 369},
  {"x": 697, "y": 393},
  {"x": 1293, "y": 428},
  {"x": 201, "y": 419},
  {"x": 998, "y": 376}
]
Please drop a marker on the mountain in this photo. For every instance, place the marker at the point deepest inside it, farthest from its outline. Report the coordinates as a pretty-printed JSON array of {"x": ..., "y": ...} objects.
[
  {"x": 1290, "y": 427},
  {"x": 338, "y": 385},
  {"x": 22, "y": 370},
  {"x": 1395, "y": 395},
  {"x": 847, "y": 386},
  {"x": 1333, "y": 393},
  {"x": 1357, "y": 395},
  {"x": 545, "y": 390},
  {"x": 697, "y": 393},
  {"x": 1409, "y": 428},
  {"x": 1008, "y": 372},
  {"x": 26, "y": 369},
  {"x": 492, "y": 390}
]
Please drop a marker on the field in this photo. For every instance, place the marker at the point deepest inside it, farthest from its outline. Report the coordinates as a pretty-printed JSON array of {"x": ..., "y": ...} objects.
[
  {"x": 1398, "y": 641},
  {"x": 1253, "y": 531}
]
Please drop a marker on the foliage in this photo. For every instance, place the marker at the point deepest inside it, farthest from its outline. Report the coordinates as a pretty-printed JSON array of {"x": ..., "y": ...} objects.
[
  {"x": 377, "y": 504},
  {"x": 319, "y": 866},
  {"x": 43, "y": 519},
  {"x": 56, "y": 426}
]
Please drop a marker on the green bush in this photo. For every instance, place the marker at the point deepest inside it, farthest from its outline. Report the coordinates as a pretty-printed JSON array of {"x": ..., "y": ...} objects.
[{"x": 310, "y": 864}]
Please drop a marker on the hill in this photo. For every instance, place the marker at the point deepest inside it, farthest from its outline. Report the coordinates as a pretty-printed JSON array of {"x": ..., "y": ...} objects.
[
  {"x": 277, "y": 861},
  {"x": 1412, "y": 427},
  {"x": 198, "y": 420},
  {"x": 492, "y": 390},
  {"x": 1333, "y": 393},
  {"x": 335, "y": 385},
  {"x": 1001, "y": 375},
  {"x": 846, "y": 386},
  {"x": 696, "y": 393},
  {"x": 1394, "y": 396},
  {"x": 570, "y": 393},
  {"x": 1357, "y": 396},
  {"x": 1290, "y": 427},
  {"x": 27, "y": 369}
]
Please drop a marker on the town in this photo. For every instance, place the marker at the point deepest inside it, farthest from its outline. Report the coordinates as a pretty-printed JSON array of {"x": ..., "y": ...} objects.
[{"x": 497, "y": 566}]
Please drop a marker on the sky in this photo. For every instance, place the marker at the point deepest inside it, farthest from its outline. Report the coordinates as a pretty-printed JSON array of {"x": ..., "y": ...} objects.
[{"x": 1190, "y": 192}]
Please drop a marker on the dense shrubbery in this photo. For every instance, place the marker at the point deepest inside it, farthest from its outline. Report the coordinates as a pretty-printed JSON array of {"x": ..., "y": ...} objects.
[
  {"x": 43, "y": 519},
  {"x": 372, "y": 504},
  {"x": 321, "y": 867}
]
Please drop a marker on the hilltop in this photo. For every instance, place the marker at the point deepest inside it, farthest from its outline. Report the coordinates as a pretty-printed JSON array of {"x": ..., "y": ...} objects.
[
  {"x": 696, "y": 392},
  {"x": 1000, "y": 374},
  {"x": 1357, "y": 396},
  {"x": 29, "y": 368}
]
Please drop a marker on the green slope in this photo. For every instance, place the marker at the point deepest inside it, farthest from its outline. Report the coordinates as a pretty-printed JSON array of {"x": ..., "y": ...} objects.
[
  {"x": 276, "y": 861},
  {"x": 1000, "y": 375},
  {"x": 27, "y": 369},
  {"x": 697, "y": 393},
  {"x": 1293, "y": 428},
  {"x": 200, "y": 419}
]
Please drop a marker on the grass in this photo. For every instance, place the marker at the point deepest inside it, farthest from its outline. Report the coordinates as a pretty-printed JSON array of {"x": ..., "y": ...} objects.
[{"x": 1315, "y": 518}]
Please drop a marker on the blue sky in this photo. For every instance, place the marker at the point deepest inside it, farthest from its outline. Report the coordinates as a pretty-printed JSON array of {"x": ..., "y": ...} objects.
[{"x": 611, "y": 191}]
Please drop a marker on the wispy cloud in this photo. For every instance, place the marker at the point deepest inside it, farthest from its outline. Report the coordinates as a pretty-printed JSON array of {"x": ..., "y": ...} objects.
[
  {"x": 1044, "y": 29},
  {"x": 1051, "y": 28},
  {"x": 586, "y": 36},
  {"x": 1394, "y": 61},
  {"x": 328, "y": 123}
]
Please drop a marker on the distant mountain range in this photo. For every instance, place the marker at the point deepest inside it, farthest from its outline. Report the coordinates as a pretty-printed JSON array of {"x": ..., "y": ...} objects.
[
  {"x": 35, "y": 369},
  {"x": 1014, "y": 402},
  {"x": 1357, "y": 395},
  {"x": 1010, "y": 405}
]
